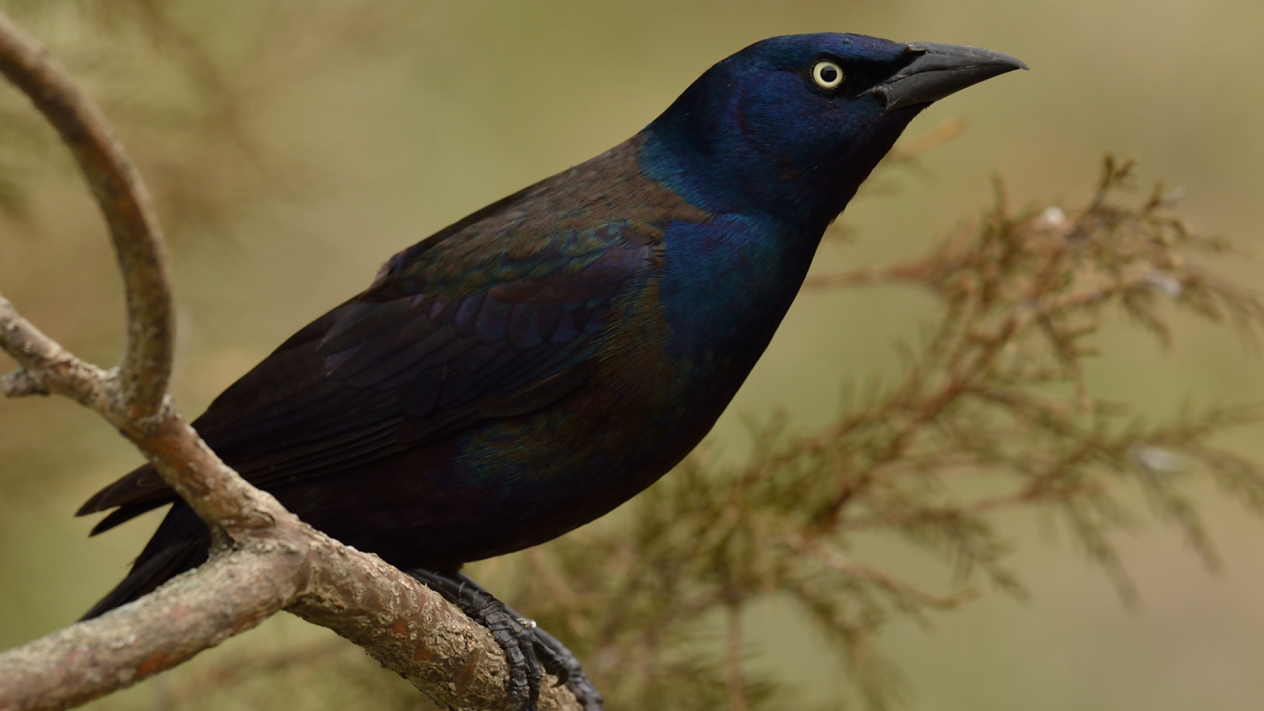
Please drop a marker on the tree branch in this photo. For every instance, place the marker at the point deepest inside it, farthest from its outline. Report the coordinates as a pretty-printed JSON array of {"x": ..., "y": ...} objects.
[
  {"x": 268, "y": 560},
  {"x": 230, "y": 594},
  {"x": 126, "y": 205},
  {"x": 46, "y": 366}
]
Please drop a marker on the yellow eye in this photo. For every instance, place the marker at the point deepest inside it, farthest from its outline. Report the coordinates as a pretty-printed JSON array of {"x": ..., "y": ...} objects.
[{"x": 827, "y": 75}]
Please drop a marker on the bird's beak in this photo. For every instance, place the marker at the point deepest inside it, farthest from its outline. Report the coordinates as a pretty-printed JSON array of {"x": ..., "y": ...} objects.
[{"x": 939, "y": 70}]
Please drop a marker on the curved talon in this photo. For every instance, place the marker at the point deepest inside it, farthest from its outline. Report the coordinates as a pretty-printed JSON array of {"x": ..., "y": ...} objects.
[
  {"x": 517, "y": 641},
  {"x": 560, "y": 662}
]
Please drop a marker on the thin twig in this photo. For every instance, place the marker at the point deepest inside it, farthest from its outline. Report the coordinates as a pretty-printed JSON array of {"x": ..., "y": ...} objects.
[{"x": 46, "y": 366}]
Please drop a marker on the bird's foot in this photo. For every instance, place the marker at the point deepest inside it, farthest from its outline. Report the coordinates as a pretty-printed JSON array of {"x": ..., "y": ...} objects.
[
  {"x": 561, "y": 663},
  {"x": 528, "y": 649}
]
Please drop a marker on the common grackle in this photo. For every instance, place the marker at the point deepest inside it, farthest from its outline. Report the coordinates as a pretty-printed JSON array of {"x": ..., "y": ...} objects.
[{"x": 539, "y": 362}]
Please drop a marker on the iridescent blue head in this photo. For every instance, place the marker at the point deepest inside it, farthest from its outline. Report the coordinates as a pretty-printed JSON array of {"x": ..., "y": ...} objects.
[{"x": 790, "y": 126}]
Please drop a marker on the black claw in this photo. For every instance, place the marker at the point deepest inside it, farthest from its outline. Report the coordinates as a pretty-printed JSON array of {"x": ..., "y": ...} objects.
[
  {"x": 558, "y": 661},
  {"x": 529, "y": 650}
]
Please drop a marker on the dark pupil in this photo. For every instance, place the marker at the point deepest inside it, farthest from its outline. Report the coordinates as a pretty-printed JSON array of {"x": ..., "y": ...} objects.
[{"x": 828, "y": 74}]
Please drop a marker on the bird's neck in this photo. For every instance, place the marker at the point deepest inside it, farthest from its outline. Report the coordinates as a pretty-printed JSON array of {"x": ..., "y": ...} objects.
[
  {"x": 716, "y": 173},
  {"x": 699, "y": 149}
]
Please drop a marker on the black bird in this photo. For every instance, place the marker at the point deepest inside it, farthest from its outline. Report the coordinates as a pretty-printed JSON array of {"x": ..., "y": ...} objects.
[{"x": 539, "y": 362}]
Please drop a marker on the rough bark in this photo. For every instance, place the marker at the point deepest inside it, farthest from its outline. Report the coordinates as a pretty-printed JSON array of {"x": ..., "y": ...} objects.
[{"x": 230, "y": 594}]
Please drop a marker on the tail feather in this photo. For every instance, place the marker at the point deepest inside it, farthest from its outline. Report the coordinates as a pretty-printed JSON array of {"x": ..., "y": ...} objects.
[
  {"x": 139, "y": 491},
  {"x": 181, "y": 543},
  {"x": 123, "y": 514}
]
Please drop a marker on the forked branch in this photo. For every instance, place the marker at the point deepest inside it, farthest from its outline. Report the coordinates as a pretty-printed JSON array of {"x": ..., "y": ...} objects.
[
  {"x": 127, "y": 208},
  {"x": 268, "y": 560}
]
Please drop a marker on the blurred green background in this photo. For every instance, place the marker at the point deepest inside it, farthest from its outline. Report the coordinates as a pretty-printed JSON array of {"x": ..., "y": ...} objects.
[{"x": 293, "y": 146}]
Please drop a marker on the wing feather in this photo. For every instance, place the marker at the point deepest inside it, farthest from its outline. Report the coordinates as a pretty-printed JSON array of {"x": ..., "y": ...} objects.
[{"x": 406, "y": 364}]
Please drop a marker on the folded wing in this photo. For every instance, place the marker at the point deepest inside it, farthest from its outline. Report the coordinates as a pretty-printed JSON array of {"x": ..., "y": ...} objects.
[{"x": 453, "y": 333}]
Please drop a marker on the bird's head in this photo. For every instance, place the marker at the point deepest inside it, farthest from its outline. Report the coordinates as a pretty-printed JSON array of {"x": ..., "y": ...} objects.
[{"x": 790, "y": 126}]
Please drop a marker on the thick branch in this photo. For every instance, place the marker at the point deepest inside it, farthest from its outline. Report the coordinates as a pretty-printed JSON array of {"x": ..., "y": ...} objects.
[
  {"x": 230, "y": 594},
  {"x": 134, "y": 230},
  {"x": 414, "y": 632},
  {"x": 400, "y": 622}
]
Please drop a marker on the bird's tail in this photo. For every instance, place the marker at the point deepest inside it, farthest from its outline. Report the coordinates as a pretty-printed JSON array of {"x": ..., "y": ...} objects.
[{"x": 181, "y": 543}]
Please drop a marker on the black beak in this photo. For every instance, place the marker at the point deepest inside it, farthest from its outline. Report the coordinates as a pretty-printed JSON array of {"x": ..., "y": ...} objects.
[{"x": 939, "y": 70}]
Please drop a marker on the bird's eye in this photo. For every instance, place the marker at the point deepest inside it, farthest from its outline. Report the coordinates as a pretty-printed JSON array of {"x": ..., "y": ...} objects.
[{"x": 827, "y": 75}]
